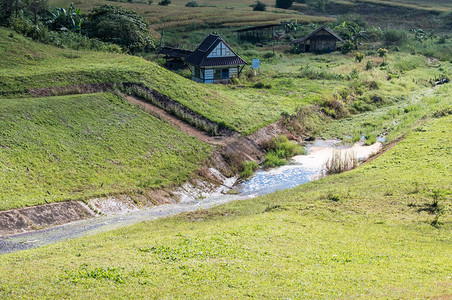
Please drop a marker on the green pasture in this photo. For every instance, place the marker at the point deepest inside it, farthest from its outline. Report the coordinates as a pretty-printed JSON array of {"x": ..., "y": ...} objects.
[
  {"x": 85, "y": 146},
  {"x": 373, "y": 232}
]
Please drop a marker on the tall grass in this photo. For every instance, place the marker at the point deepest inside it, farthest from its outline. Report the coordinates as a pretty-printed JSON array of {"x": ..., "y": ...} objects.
[{"x": 340, "y": 161}]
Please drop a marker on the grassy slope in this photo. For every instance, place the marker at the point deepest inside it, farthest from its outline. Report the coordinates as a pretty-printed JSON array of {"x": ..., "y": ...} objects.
[
  {"x": 394, "y": 120},
  {"x": 30, "y": 65},
  {"x": 376, "y": 241},
  {"x": 76, "y": 147}
]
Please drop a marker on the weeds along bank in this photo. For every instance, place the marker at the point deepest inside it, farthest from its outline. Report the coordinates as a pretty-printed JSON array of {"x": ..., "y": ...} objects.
[{"x": 365, "y": 233}]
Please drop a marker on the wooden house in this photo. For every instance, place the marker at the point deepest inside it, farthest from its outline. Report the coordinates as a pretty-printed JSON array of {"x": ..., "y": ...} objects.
[
  {"x": 214, "y": 61},
  {"x": 321, "y": 40}
]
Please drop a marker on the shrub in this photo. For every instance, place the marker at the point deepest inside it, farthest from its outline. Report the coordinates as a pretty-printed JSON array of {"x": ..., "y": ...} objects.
[
  {"x": 248, "y": 168},
  {"x": 443, "y": 112},
  {"x": 394, "y": 37},
  {"x": 369, "y": 65},
  {"x": 113, "y": 24},
  {"x": 192, "y": 4},
  {"x": 150, "y": 2},
  {"x": 165, "y": 2},
  {"x": 382, "y": 52},
  {"x": 273, "y": 160},
  {"x": 347, "y": 47},
  {"x": 334, "y": 197},
  {"x": 279, "y": 148},
  {"x": 284, "y": 3},
  {"x": 268, "y": 54},
  {"x": 370, "y": 140},
  {"x": 261, "y": 85},
  {"x": 259, "y": 6},
  {"x": 359, "y": 56}
]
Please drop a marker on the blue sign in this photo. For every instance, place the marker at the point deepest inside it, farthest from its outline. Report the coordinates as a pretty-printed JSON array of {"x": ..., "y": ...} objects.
[{"x": 255, "y": 63}]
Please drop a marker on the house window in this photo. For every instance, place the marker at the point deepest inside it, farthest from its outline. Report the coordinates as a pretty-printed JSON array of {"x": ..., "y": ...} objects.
[
  {"x": 225, "y": 73},
  {"x": 217, "y": 74}
]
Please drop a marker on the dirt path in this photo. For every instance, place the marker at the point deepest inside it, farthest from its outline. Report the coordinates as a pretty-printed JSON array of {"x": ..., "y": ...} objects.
[{"x": 181, "y": 125}]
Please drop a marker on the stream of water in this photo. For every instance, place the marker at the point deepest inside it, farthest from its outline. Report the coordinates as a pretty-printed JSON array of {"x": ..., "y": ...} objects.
[{"x": 301, "y": 169}]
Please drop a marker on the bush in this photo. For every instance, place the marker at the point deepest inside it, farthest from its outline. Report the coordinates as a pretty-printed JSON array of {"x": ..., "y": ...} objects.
[
  {"x": 273, "y": 160},
  {"x": 192, "y": 4},
  {"x": 259, "y": 6},
  {"x": 359, "y": 56},
  {"x": 113, "y": 24},
  {"x": 268, "y": 54},
  {"x": 369, "y": 65},
  {"x": 370, "y": 140},
  {"x": 165, "y": 2},
  {"x": 248, "y": 169},
  {"x": 284, "y": 3},
  {"x": 348, "y": 46},
  {"x": 279, "y": 148},
  {"x": 394, "y": 36},
  {"x": 150, "y": 2},
  {"x": 261, "y": 85},
  {"x": 382, "y": 52}
]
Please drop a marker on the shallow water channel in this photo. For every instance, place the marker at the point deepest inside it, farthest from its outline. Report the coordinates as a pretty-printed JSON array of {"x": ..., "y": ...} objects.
[
  {"x": 299, "y": 170},
  {"x": 303, "y": 168}
]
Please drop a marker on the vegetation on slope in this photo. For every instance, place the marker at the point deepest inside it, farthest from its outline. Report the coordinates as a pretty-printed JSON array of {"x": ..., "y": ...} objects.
[
  {"x": 287, "y": 82},
  {"x": 84, "y": 146},
  {"x": 366, "y": 233}
]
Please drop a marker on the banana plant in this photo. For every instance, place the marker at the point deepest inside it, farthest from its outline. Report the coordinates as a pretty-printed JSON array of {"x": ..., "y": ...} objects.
[
  {"x": 62, "y": 19},
  {"x": 352, "y": 32}
]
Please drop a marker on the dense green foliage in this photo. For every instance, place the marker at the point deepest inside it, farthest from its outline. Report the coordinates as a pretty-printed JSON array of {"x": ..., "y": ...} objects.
[
  {"x": 284, "y": 3},
  {"x": 78, "y": 147},
  {"x": 335, "y": 83},
  {"x": 366, "y": 233},
  {"x": 259, "y": 6},
  {"x": 113, "y": 24},
  {"x": 192, "y": 4},
  {"x": 278, "y": 150}
]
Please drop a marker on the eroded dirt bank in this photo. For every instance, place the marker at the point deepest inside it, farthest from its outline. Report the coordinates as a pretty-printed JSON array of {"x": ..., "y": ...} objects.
[{"x": 32, "y": 218}]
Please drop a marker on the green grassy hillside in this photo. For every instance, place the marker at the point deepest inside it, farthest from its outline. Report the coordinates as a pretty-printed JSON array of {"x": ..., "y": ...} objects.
[
  {"x": 364, "y": 234},
  {"x": 287, "y": 82},
  {"x": 78, "y": 147}
]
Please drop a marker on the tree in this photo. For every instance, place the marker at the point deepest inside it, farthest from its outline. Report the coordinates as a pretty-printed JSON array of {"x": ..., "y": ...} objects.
[
  {"x": 11, "y": 8},
  {"x": 36, "y": 7},
  {"x": 259, "y": 6},
  {"x": 113, "y": 24},
  {"x": 62, "y": 19},
  {"x": 285, "y": 4},
  {"x": 352, "y": 32},
  {"x": 165, "y": 2}
]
